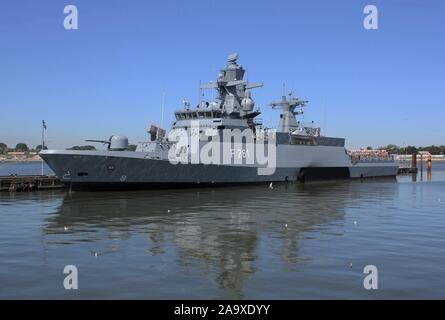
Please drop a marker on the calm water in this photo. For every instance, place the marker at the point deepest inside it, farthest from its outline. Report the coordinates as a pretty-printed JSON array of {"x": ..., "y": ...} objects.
[
  {"x": 24, "y": 168},
  {"x": 295, "y": 241}
]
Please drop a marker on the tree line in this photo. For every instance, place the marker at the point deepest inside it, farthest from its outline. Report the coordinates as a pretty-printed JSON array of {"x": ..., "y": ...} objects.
[
  {"x": 22, "y": 147},
  {"x": 395, "y": 149}
]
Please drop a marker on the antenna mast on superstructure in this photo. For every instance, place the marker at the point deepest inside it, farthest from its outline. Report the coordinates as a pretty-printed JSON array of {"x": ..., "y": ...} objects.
[
  {"x": 162, "y": 109},
  {"x": 199, "y": 93},
  {"x": 325, "y": 104}
]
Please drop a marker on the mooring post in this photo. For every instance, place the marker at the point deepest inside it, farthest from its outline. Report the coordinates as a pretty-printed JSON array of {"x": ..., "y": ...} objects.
[
  {"x": 414, "y": 160},
  {"x": 421, "y": 167}
]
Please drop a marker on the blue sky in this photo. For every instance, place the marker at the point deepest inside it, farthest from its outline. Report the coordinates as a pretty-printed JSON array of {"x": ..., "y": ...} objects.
[{"x": 372, "y": 87}]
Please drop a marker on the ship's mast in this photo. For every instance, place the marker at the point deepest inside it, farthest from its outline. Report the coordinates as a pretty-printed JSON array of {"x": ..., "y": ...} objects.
[
  {"x": 233, "y": 91},
  {"x": 288, "y": 121},
  {"x": 162, "y": 109}
]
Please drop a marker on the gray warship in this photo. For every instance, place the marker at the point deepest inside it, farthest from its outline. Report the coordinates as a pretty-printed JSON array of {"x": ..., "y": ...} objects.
[{"x": 220, "y": 142}]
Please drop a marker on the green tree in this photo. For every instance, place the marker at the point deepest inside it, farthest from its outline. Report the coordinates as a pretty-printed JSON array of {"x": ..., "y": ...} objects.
[
  {"x": 39, "y": 147},
  {"x": 411, "y": 150},
  {"x": 432, "y": 149},
  {"x": 21, "y": 147},
  {"x": 3, "y": 148},
  {"x": 392, "y": 148}
]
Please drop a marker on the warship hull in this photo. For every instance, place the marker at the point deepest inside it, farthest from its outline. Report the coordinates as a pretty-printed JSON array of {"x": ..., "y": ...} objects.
[{"x": 126, "y": 170}]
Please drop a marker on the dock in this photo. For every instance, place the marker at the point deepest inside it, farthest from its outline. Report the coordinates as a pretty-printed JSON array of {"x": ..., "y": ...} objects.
[
  {"x": 408, "y": 167},
  {"x": 407, "y": 170},
  {"x": 16, "y": 183},
  {"x": 411, "y": 167}
]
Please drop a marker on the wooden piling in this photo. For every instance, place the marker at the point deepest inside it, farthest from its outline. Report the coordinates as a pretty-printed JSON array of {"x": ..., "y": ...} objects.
[
  {"x": 29, "y": 183},
  {"x": 414, "y": 160},
  {"x": 421, "y": 167}
]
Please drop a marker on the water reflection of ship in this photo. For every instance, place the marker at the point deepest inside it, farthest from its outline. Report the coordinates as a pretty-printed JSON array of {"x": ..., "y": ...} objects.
[{"x": 213, "y": 230}]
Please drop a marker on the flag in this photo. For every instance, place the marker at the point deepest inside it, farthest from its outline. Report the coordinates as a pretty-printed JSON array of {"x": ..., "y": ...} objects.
[{"x": 44, "y": 124}]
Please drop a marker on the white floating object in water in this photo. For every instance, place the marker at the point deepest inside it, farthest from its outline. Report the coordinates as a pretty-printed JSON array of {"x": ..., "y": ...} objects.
[
  {"x": 65, "y": 228},
  {"x": 355, "y": 222},
  {"x": 285, "y": 225},
  {"x": 271, "y": 185},
  {"x": 350, "y": 265}
]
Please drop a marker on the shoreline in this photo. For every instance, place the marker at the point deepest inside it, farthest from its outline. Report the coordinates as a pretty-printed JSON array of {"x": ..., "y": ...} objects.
[{"x": 21, "y": 160}]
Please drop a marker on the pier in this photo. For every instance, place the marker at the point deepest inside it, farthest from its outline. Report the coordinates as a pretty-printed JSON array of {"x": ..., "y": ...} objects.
[
  {"x": 413, "y": 165},
  {"x": 29, "y": 183},
  {"x": 407, "y": 167},
  {"x": 407, "y": 170}
]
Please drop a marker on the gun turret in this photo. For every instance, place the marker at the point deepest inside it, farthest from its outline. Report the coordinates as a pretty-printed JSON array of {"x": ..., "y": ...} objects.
[{"x": 115, "y": 143}]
